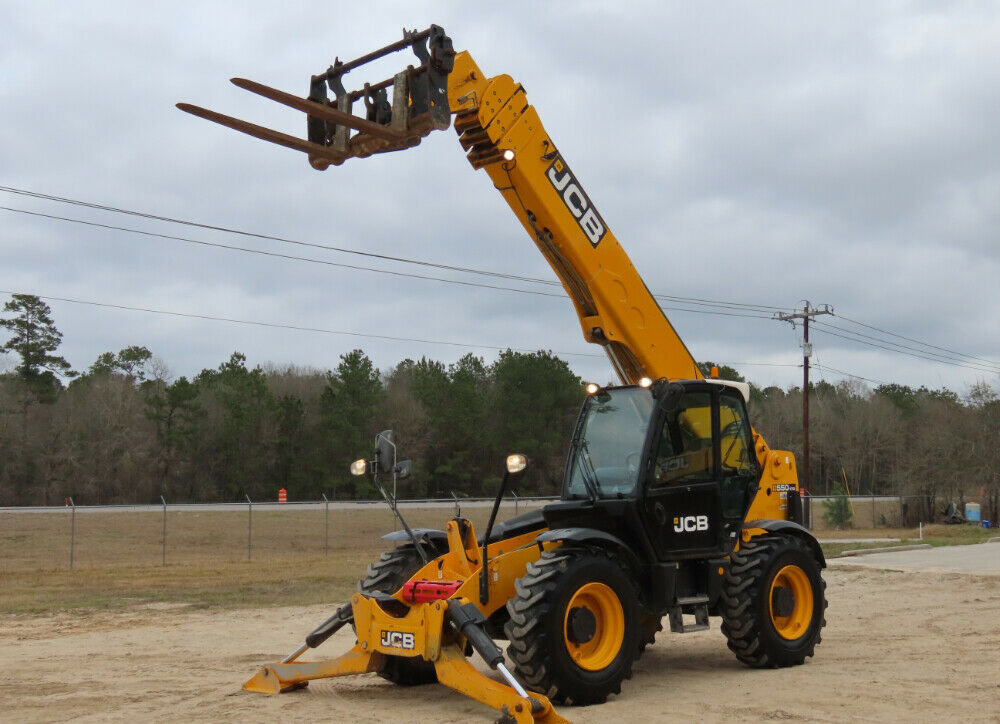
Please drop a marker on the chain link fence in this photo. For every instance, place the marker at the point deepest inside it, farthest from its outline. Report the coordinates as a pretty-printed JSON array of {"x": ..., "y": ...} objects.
[
  {"x": 880, "y": 511},
  {"x": 77, "y": 536}
]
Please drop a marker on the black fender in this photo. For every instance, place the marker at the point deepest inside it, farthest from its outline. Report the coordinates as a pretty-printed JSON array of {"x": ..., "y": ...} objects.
[
  {"x": 436, "y": 539},
  {"x": 592, "y": 536},
  {"x": 788, "y": 527}
]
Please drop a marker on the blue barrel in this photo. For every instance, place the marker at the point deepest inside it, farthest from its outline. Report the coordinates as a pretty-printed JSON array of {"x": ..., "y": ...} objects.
[
  {"x": 986, "y": 524},
  {"x": 972, "y": 512}
]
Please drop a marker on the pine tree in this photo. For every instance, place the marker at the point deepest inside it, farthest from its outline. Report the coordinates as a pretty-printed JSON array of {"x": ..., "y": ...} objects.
[
  {"x": 34, "y": 339},
  {"x": 837, "y": 510}
]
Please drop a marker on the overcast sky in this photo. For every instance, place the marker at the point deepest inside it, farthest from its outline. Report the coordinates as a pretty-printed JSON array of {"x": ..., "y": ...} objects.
[{"x": 754, "y": 153}]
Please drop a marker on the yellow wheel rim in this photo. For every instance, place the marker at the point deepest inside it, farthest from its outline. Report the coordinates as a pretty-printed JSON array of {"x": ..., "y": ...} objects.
[
  {"x": 598, "y": 651},
  {"x": 794, "y": 581}
]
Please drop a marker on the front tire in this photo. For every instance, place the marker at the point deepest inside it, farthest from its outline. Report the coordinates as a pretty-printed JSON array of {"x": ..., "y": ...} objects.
[
  {"x": 774, "y": 602},
  {"x": 574, "y": 626},
  {"x": 387, "y": 575}
]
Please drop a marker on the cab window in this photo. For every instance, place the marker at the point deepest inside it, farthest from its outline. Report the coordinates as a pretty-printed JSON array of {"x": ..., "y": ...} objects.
[
  {"x": 736, "y": 439},
  {"x": 739, "y": 460},
  {"x": 684, "y": 452}
]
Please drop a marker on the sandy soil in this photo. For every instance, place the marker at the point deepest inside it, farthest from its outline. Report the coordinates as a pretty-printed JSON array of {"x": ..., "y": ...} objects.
[{"x": 898, "y": 647}]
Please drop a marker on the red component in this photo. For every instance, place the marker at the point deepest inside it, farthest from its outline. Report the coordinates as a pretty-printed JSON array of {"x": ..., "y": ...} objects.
[{"x": 424, "y": 591}]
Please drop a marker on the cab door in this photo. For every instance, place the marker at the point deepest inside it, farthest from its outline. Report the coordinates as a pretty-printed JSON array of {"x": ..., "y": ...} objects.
[
  {"x": 698, "y": 474},
  {"x": 739, "y": 471}
]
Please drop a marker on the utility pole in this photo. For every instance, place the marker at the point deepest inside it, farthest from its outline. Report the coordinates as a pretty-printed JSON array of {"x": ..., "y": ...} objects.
[{"x": 807, "y": 313}]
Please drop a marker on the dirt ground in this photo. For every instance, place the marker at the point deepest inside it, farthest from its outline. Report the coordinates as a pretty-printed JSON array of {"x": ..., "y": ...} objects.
[{"x": 898, "y": 647}]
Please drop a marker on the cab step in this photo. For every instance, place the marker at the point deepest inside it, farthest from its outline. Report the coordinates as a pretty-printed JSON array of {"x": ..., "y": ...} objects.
[{"x": 699, "y": 604}]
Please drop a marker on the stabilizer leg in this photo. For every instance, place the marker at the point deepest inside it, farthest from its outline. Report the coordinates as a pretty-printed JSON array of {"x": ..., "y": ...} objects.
[
  {"x": 455, "y": 672},
  {"x": 280, "y": 678}
]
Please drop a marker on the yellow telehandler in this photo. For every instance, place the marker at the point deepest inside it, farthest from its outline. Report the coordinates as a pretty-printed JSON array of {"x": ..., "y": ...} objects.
[{"x": 672, "y": 506}]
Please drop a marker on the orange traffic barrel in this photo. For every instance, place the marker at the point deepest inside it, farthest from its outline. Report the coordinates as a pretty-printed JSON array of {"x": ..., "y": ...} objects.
[{"x": 282, "y": 496}]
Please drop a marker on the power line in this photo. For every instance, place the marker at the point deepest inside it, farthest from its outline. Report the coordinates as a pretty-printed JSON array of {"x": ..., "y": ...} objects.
[
  {"x": 849, "y": 374},
  {"x": 326, "y": 262},
  {"x": 268, "y": 237},
  {"x": 299, "y": 328},
  {"x": 950, "y": 358},
  {"x": 911, "y": 351},
  {"x": 320, "y": 330},
  {"x": 764, "y": 364},
  {"x": 916, "y": 341},
  {"x": 715, "y": 307},
  {"x": 676, "y": 299},
  {"x": 275, "y": 254},
  {"x": 911, "y": 354},
  {"x": 406, "y": 260}
]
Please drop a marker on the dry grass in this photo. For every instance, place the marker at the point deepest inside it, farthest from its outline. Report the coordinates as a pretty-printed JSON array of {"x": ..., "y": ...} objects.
[
  {"x": 117, "y": 557},
  {"x": 935, "y": 535}
]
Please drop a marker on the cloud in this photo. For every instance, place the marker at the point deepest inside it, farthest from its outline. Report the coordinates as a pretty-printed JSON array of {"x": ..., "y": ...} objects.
[{"x": 845, "y": 155}]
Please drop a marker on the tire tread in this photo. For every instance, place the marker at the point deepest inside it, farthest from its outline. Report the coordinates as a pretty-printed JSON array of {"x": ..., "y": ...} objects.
[{"x": 742, "y": 623}]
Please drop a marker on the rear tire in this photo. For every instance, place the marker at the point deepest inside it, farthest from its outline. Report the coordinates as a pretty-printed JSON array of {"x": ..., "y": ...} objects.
[
  {"x": 774, "y": 602},
  {"x": 574, "y": 626},
  {"x": 387, "y": 575}
]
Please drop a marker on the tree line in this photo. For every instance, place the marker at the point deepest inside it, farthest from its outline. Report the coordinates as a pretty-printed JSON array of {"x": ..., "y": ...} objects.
[{"x": 125, "y": 431}]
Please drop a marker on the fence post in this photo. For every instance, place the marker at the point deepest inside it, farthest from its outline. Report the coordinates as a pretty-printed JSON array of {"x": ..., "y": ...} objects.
[
  {"x": 873, "y": 511},
  {"x": 72, "y": 531},
  {"x": 164, "y": 501},
  {"x": 458, "y": 507},
  {"x": 326, "y": 533},
  {"x": 515, "y": 501},
  {"x": 249, "y": 525}
]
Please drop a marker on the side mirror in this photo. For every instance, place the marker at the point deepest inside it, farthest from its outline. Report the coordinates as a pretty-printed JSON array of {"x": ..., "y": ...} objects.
[
  {"x": 403, "y": 469},
  {"x": 385, "y": 452},
  {"x": 516, "y": 463}
]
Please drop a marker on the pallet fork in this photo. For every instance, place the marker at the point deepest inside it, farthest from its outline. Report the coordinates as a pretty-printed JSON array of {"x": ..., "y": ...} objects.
[{"x": 419, "y": 104}]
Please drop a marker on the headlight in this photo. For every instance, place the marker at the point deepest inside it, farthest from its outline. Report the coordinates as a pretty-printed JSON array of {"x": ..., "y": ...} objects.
[
  {"x": 645, "y": 382},
  {"x": 593, "y": 388},
  {"x": 358, "y": 467},
  {"x": 516, "y": 463}
]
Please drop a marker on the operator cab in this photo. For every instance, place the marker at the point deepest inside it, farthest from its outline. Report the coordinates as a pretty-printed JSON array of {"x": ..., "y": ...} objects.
[{"x": 681, "y": 452}]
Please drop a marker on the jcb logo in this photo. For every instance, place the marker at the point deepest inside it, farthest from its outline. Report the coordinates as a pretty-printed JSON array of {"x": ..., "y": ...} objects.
[
  {"x": 690, "y": 523},
  {"x": 672, "y": 465},
  {"x": 397, "y": 640},
  {"x": 577, "y": 201}
]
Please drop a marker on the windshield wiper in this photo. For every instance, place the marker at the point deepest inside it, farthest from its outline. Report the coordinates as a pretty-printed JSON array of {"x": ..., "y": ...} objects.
[{"x": 589, "y": 473}]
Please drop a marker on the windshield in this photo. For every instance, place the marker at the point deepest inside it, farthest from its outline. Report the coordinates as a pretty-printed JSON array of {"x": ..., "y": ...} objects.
[{"x": 608, "y": 447}]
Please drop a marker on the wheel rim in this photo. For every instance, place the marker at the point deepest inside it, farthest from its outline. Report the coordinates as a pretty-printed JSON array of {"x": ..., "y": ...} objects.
[
  {"x": 605, "y": 641},
  {"x": 791, "y": 624}
]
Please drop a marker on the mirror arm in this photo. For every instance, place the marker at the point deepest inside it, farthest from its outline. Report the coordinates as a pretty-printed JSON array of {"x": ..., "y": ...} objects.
[
  {"x": 484, "y": 574},
  {"x": 391, "y": 502}
]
